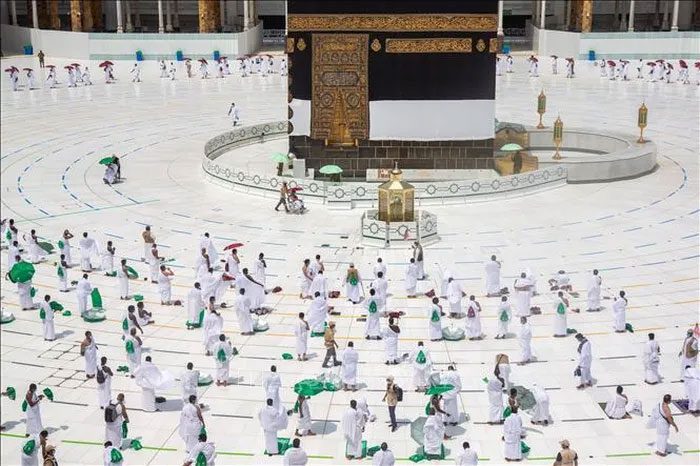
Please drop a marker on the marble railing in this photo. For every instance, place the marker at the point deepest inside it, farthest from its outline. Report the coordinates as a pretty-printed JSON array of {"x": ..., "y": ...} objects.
[{"x": 348, "y": 195}]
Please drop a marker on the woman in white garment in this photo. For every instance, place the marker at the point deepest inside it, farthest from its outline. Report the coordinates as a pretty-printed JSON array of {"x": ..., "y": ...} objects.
[
  {"x": 304, "y": 424},
  {"x": 34, "y": 425},
  {"x": 353, "y": 284},
  {"x": 113, "y": 429},
  {"x": 191, "y": 423},
  {"x": 46, "y": 315},
  {"x": 372, "y": 326},
  {"x": 391, "y": 342},
  {"x": 561, "y": 306},
  {"x": 123, "y": 277},
  {"x": 88, "y": 348}
]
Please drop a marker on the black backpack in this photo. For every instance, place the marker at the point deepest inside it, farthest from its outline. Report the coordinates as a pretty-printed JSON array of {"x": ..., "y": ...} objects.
[
  {"x": 100, "y": 376},
  {"x": 111, "y": 412},
  {"x": 399, "y": 393}
]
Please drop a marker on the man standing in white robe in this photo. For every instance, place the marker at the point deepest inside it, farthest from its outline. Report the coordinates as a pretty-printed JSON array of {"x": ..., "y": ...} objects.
[
  {"x": 691, "y": 383},
  {"x": 473, "y": 321},
  {"x": 133, "y": 345},
  {"x": 379, "y": 267},
  {"x": 561, "y": 306},
  {"x": 88, "y": 348},
  {"x": 83, "y": 290},
  {"x": 195, "y": 305},
  {"x": 165, "y": 285},
  {"x": 352, "y": 432},
  {"x": 123, "y": 277},
  {"x": 154, "y": 261},
  {"x": 584, "y": 361},
  {"x": 353, "y": 285},
  {"x": 104, "y": 388},
  {"x": 664, "y": 420},
  {"x": 259, "y": 268},
  {"x": 540, "y": 412},
  {"x": 652, "y": 352},
  {"x": 211, "y": 329},
  {"x": 189, "y": 380},
  {"x": 593, "y": 291},
  {"x": 191, "y": 423},
  {"x": 272, "y": 383},
  {"x": 245, "y": 321},
  {"x": 467, "y": 457},
  {"x": 33, "y": 423},
  {"x": 301, "y": 333},
  {"x": 47, "y": 320},
  {"x": 319, "y": 284},
  {"x": 372, "y": 326},
  {"x": 494, "y": 389},
  {"x": 525, "y": 340},
  {"x": 390, "y": 334},
  {"x": 318, "y": 311},
  {"x": 272, "y": 419},
  {"x": 418, "y": 258},
  {"x": 451, "y": 398},
  {"x": 435, "y": 320},
  {"x": 689, "y": 352},
  {"x": 24, "y": 292},
  {"x": 348, "y": 371},
  {"x": 433, "y": 434},
  {"x": 619, "y": 309},
  {"x": 223, "y": 352},
  {"x": 384, "y": 457},
  {"x": 411, "y": 279},
  {"x": 493, "y": 277},
  {"x": 295, "y": 455},
  {"x": 454, "y": 297},
  {"x": 422, "y": 365},
  {"x": 504, "y": 316},
  {"x": 512, "y": 432},
  {"x": 523, "y": 294},
  {"x": 88, "y": 247}
]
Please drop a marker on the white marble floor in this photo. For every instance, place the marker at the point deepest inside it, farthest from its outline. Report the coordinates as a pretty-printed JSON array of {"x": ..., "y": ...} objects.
[{"x": 642, "y": 234}]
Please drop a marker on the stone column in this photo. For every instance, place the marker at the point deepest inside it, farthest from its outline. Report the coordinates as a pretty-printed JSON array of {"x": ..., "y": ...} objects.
[
  {"x": 176, "y": 15},
  {"x": 630, "y": 26},
  {"x": 76, "y": 23},
  {"x": 567, "y": 15},
  {"x": 500, "y": 18},
  {"x": 674, "y": 20},
  {"x": 97, "y": 22},
  {"x": 120, "y": 23},
  {"x": 168, "y": 17},
  {"x": 43, "y": 13},
  {"x": 35, "y": 15},
  {"x": 161, "y": 29},
  {"x": 246, "y": 15},
  {"x": 88, "y": 21},
  {"x": 587, "y": 16},
  {"x": 543, "y": 15},
  {"x": 127, "y": 13},
  {"x": 137, "y": 15},
  {"x": 209, "y": 15},
  {"x": 664, "y": 20},
  {"x": 222, "y": 13},
  {"x": 13, "y": 12}
]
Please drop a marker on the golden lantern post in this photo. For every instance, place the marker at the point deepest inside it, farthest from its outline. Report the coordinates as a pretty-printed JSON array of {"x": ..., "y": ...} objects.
[
  {"x": 558, "y": 136},
  {"x": 541, "y": 107},
  {"x": 642, "y": 122}
]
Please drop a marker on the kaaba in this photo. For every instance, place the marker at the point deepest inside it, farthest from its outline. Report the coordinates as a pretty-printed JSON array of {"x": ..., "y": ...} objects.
[{"x": 374, "y": 82}]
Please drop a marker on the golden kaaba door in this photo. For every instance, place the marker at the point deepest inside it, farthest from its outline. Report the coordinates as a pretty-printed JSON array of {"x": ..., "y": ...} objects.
[{"x": 339, "y": 108}]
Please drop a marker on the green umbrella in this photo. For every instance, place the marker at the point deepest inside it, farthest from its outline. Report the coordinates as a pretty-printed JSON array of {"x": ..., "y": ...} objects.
[
  {"x": 439, "y": 389},
  {"x": 106, "y": 160},
  {"x": 330, "y": 170},
  {"x": 512, "y": 147},
  {"x": 11, "y": 393},
  {"x": 46, "y": 246},
  {"x": 279, "y": 157},
  {"x": 131, "y": 272},
  {"x": 21, "y": 272},
  {"x": 308, "y": 387}
]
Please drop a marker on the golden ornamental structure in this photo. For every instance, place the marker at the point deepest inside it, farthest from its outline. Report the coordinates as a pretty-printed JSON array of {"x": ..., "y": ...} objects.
[
  {"x": 396, "y": 199},
  {"x": 642, "y": 122},
  {"x": 558, "y": 136},
  {"x": 541, "y": 107}
]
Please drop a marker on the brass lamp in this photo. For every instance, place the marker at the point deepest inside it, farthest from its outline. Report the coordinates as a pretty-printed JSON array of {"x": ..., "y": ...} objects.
[
  {"x": 396, "y": 199},
  {"x": 541, "y": 107},
  {"x": 642, "y": 122},
  {"x": 558, "y": 136}
]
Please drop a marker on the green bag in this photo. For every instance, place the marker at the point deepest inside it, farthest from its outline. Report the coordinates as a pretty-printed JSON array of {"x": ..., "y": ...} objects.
[
  {"x": 60, "y": 272},
  {"x": 138, "y": 297},
  {"x": 25, "y": 406},
  {"x": 8, "y": 235},
  {"x": 56, "y": 306},
  {"x": 435, "y": 316},
  {"x": 130, "y": 347},
  {"x": 629, "y": 328},
  {"x": 96, "y": 299},
  {"x": 29, "y": 447},
  {"x": 61, "y": 244},
  {"x": 125, "y": 429},
  {"x": 287, "y": 356},
  {"x": 116, "y": 456},
  {"x": 11, "y": 393},
  {"x": 136, "y": 445},
  {"x": 201, "y": 459},
  {"x": 48, "y": 393},
  {"x": 125, "y": 324},
  {"x": 353, "y": 280},
  {"x": 32, "y": 292},
  {"x": 524, "y": 449},
  {"x": 203, "y": 430},
  {"x": 504, "y": 316},
  {"x": 420, "y": 358},
  {"x": 507, "y": 412},
  {"x": 42, "y": 313},
  {"x": 221, "y": 355},
  {"x": 417, "y": 458},
  {"x": 372, "y": 307},
  {"x": 372, "y": 450},
  {"x": 561, "y": 309}
]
